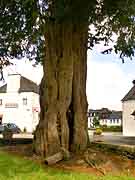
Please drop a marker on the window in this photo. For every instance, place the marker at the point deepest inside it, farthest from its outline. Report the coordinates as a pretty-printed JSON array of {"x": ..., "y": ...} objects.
[
  {"x": 117, "y": 121},
  {"x": 0, "y": 102},
  {"x": 24, "y": 101}
]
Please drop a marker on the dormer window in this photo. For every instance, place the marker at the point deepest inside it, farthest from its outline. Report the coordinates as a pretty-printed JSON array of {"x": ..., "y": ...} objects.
[
  {"x": 0, "y": 102},
  {"x": 25, "y": 101}
]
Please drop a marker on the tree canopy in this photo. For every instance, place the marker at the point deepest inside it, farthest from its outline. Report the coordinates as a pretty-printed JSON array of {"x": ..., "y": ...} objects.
[{"x": 23, "y": 24}]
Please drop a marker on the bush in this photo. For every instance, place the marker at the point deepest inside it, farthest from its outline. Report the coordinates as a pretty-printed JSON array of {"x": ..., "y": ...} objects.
[
  {"x": 96, "y": 122},
  {"x": 24, "y": 130},
  {"x": 98, "y": 131},
  {"x": 104, "y": 126},
  {"x": 111, "y": 128},
  {"x": 7, "y": 134}
]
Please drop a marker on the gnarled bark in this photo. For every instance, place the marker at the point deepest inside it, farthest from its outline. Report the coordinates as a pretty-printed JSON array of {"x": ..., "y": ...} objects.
[
  {"x": 63, "y": 117},
  {"x": 79, "y": 89}
]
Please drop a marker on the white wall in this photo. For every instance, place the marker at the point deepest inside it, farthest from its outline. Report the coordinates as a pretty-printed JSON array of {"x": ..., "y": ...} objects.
[
  {"x": 110, "y": 123},
  {"x": 25, "y": 111},
  {"x": 13, "y": 82},
  {"x": 128, "y": 120},
  {"x": 22, "y": 115},
  {"x": 104, "y": 122},
  {"x": 90, "y": 122},
  {"x": 14, "y": 111},
  {"x": 35, "y": 110},
  {"x": 2, "y": 107}
]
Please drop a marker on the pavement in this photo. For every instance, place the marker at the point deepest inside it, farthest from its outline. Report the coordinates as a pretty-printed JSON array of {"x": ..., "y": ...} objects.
[
  {"x": 113, "y": 138},
  {"x": 20, "y": 136},
  {"x": 106, "y": 137}
]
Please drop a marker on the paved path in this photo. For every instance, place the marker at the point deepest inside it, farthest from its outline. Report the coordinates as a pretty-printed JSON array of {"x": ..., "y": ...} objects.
[
  {"x": 115, "y": 138},
  {"x": 21, "y": 136}
]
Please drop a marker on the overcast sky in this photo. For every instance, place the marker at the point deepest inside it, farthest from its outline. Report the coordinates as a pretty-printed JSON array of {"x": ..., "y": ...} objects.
[{"x": 108, "y": 79}]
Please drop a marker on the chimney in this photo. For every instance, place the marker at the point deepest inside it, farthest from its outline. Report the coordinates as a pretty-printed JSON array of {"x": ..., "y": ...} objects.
[{"x": 13, "y": 82}]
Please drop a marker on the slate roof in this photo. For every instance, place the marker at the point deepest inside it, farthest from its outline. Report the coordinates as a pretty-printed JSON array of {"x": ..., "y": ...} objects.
[
  {"x": 105, "y": 113},
  {"x": 133, "y": 113},
  {"x": 130, "y": 95},
  {"x": 3, "y": 88},
  {"x": 115, "y": 115},
  {"x": 26, "y": 85}
]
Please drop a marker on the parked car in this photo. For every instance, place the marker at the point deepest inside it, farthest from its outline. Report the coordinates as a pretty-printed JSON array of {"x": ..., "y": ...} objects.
[{"x": 15, "y": 129}]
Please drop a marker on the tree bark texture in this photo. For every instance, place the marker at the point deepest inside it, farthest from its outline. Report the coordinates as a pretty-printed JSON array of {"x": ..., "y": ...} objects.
[{"x": 63, "y": 117}]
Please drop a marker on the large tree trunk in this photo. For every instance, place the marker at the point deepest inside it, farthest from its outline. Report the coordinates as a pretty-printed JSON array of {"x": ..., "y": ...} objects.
[{"x": 63, "y": 117}]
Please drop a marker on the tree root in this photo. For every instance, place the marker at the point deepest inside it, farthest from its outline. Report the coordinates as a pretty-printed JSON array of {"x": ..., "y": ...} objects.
[
  {"x": 62, "y": 155},
  {"x": 94, "y": 165}
]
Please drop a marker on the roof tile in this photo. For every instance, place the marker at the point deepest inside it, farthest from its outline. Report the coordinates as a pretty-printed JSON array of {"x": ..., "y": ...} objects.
[
  {"x": 26, "y": 85},
  {"x": 130, "y": 95}
]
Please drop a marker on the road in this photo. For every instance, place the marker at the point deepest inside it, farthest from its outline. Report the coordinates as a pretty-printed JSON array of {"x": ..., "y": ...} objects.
[{"x": 114, "y": 138}]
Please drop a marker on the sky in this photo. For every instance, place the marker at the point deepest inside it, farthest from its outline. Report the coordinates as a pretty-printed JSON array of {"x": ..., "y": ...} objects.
[
  {"x": 26, "y": 69},
  {"x": 108, "y": 79}
]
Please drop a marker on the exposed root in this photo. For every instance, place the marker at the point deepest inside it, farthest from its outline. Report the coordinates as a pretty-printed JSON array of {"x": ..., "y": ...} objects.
[{"x": 93, "y": 164}]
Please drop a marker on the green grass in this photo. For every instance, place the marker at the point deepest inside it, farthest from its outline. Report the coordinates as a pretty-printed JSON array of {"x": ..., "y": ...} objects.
[{"x": 16, "y": 168}]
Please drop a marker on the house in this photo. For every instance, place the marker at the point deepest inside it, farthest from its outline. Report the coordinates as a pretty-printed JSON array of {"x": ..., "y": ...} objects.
[
  {"x": 19, "y": 102},
  {"x": 105, "y": 117},
  {"x": 128, "y": 106}
]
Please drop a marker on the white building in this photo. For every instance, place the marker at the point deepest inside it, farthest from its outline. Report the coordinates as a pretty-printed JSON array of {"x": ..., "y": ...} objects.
[
  {"x": 128, "y": 106},
  {"x": 19, "y": 102},
  {"x": 105, "y": 117}
]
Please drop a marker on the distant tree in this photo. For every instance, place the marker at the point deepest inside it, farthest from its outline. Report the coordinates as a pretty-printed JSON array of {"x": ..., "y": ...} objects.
[
  {"x": 58, "y": 34},
  {"x": 96, "y": 121}
]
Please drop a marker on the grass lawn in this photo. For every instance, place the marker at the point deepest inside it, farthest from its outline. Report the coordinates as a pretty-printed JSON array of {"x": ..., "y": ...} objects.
[{"x": 17, "y": 168}]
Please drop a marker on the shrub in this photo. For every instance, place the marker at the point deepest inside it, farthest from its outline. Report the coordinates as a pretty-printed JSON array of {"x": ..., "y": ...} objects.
[
  {"x": 111, "y": 128},
  {"x": 96, "y": 122},
  {"x": 104, "y": 126},
  {"x": 7, "y": 134},
  {"x": 24, "y": 130},
  {"x": 98, "y": 131}
]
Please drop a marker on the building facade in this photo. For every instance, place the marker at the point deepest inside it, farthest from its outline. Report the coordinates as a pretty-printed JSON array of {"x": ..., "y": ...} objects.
[
  {"x": 105, "y": 117},
  {"x": 19, "y": 102},
  {"x": 128, "y": 106}
]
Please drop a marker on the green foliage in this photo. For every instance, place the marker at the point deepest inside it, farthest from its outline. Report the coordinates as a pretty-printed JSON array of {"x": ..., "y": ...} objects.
[
  {"x": 111, "y": 128},
  {"x": 20, "y": 29},
  {"x": 96, "y": 121},
  {"x": 23, "y": 24},
  {"x": 25, "y": 130},
  {"x": 98, "y": 131},
  {"x": 117, "y": 17}
]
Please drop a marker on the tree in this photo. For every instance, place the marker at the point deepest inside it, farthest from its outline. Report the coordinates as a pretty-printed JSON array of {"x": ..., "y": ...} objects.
[
  {"x": 58, "y": 34},
  {"x": 96, "y": 122}
]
